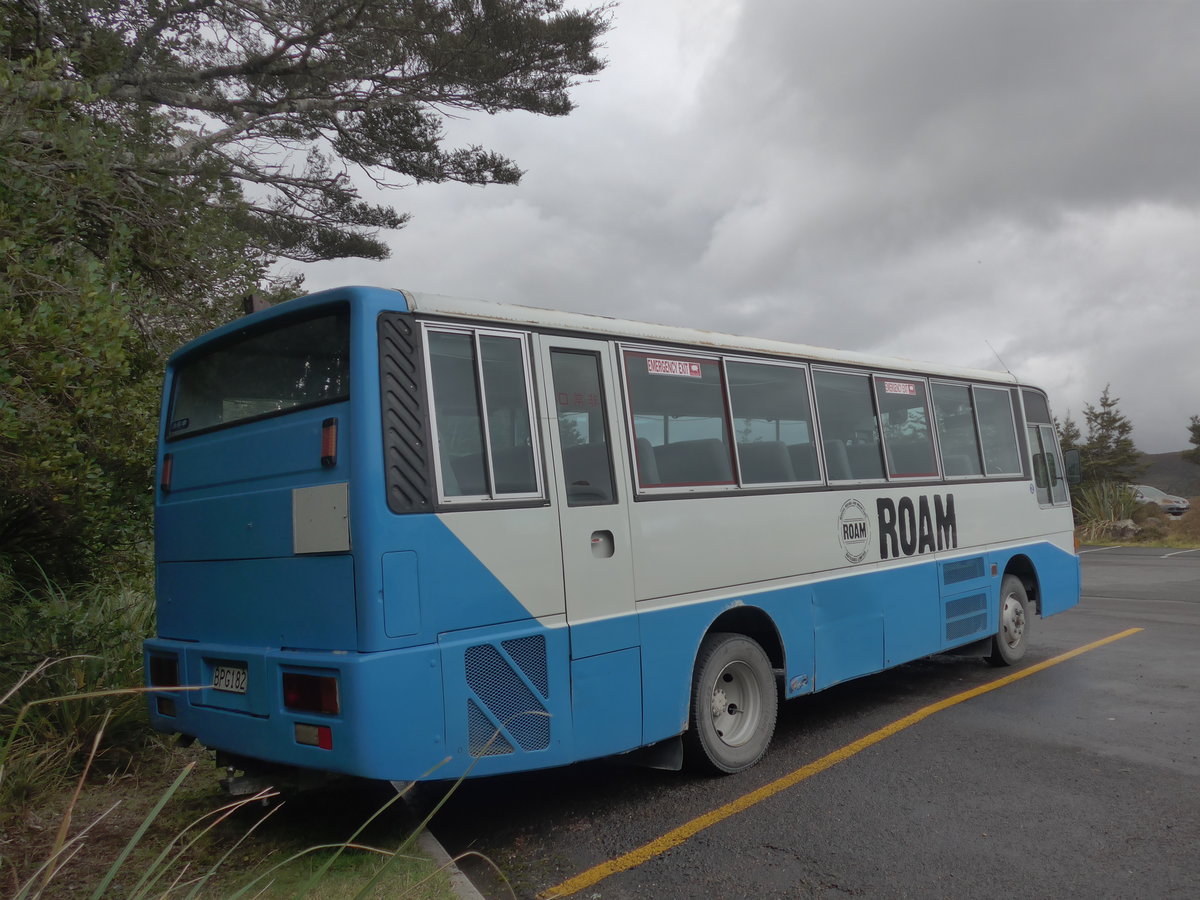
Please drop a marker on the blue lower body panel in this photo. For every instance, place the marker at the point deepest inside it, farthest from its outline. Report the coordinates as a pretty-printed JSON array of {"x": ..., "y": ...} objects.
[
  {"x": 512, "y": 697},
  {"x": 842, "y": 628}
]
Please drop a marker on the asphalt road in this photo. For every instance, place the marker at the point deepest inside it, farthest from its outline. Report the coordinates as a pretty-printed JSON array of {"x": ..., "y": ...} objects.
[{"x": 1080, "y": 780}]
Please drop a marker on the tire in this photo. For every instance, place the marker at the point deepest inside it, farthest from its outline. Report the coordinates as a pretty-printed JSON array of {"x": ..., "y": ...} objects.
[
  {"x": 734, "y": 705},
  {"x": 1016, "y": 620}
]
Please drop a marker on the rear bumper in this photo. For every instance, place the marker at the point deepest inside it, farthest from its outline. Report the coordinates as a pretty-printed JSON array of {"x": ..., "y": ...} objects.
[{"x": 392, "y": 696}]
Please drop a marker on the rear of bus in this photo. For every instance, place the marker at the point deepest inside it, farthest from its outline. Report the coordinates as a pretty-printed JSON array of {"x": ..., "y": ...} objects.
[{"x": 259, "y": 601}]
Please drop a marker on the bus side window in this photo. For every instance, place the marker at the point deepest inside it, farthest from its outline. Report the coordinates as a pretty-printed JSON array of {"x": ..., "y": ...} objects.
[
  {"x": 677, "y": 404},
  {"x": 957, "y": 436},
  {"x": 1041, "y": 473},
  {"x": 1049, "y": 474},
  {"x": 457, "y": 418},
  {"x": 997, "y": 430},
  {"x": 582, "y": 428},
  {"x": 482, "y": 417},
  {"x": 849, "y": 426},
  {"x": 772, "y": 420},
  {"x": 1044, "y": 443},
  {"x": 509, "y": 433},
  {"x": 904, "y": 414}
]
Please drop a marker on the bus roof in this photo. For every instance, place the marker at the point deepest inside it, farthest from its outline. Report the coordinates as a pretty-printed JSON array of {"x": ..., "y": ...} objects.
[
  {"x": 517, "y": 316},
  {"x": 513, "y": 315}
]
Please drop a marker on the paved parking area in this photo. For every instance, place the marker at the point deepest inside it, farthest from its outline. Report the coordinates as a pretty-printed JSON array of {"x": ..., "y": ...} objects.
[{"x": 1081, "y": 778}]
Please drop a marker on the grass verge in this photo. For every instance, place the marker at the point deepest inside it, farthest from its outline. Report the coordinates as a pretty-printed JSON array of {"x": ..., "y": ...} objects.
[
  {"x": 94, "y": 804},
  {"x": 326, "y": 843}
]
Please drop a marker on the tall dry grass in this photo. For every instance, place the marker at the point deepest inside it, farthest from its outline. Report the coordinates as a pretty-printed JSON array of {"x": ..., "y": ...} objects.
[
  {"x": 177, "y": 862},
  {"x": 83, "y": 642}
]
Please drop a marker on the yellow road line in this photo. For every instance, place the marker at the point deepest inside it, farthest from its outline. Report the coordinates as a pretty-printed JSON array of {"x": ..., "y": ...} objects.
[{"x": 677, "y": 836}]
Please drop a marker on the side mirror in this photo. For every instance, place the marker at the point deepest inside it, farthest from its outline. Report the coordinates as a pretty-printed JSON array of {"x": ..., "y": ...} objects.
[{"x": 1074, "y": 466}]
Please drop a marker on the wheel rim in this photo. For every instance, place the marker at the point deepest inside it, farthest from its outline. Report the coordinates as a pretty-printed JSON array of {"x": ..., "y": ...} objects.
[
  {"x": 736, "y": 706},
  {"x": 1012, "y": 621}
]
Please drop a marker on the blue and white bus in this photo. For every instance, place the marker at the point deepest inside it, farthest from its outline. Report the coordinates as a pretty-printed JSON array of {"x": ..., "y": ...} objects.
[{"x": 402, "y": 534}]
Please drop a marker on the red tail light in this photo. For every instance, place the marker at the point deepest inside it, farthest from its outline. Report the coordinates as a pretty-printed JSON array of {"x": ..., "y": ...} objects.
[
  {"x": 311, "y": 693},
  {"x": 164, "y": 480},
  {"x": 329, "y": 443}
]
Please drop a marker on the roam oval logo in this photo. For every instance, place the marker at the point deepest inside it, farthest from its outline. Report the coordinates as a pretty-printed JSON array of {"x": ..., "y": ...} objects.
[{"x": 854, "y": 531}]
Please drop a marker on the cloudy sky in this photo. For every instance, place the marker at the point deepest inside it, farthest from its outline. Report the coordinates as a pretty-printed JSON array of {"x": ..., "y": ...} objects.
[{"x": 912, "y": 178}]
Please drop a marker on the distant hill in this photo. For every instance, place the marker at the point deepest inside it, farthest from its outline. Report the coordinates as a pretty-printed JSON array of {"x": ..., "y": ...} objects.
[{"x": 1167, "y": 472}]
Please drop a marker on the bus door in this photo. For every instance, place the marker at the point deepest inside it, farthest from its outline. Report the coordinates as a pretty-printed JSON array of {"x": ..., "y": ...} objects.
[{"x": 591, "y": 494}]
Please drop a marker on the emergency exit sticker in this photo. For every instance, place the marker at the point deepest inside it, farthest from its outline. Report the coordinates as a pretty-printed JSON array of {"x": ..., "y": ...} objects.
[
  {"x": 900, "y": 387},
  {"x": 673, "y": 367}
]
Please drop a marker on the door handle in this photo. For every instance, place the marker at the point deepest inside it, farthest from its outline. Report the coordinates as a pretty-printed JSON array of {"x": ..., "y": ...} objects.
[{"x": 603, "y": 545}]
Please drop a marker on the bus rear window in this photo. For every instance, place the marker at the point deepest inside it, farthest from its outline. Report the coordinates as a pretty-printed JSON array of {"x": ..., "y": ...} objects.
[{"x": 291, "y": 366}]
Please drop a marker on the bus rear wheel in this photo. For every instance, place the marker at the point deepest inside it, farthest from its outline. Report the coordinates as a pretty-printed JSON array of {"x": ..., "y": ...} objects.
[
  {"x": 734, "y": 705},
  {"x": 1016, "y": 619}
]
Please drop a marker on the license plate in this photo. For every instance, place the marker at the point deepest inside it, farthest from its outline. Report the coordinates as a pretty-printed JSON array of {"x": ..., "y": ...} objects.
[{"x": 229, "y": 678}]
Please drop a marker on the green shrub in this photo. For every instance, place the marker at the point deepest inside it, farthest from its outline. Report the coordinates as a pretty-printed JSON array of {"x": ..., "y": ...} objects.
[
  {"x": 1152, "y": 532},
  {"x": 1100, "y": 505},
  {"x": 1147, "y": 511}
]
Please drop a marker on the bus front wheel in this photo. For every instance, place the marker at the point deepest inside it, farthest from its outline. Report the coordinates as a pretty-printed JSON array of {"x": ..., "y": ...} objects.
[
  {"x": 1016, "y": 618},
  {"x": 734, "y": 705}
]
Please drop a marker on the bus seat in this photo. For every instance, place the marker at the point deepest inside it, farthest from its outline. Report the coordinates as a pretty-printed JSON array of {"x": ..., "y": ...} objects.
[
  {"x": 804, "y": 462},
  {"x": 585, "y": 467},
  {"x": 960, "y": 464},
  {"x": 647, "y": 463},
  {"x": 837, "y": 461},
  {"x": 704, "y": 461},
  {"x": 912, "y": 457},
  {"x": 764, "y": 462},
  {"x": 865, "y": 461}
]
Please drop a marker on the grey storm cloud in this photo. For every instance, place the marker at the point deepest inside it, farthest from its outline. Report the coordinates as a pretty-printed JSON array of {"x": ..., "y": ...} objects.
[
  {"x": 934, "y": 117},
  {"x": 922, "y": 179}
]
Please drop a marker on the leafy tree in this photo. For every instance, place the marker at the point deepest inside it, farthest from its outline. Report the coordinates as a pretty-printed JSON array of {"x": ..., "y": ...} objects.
[
  {"x": 1109, "y": 453},
  {"x": 1193, "y": 455},
  {"x": 157, "y": 155},
  {"x": 1069, "y": 435},
  {"x": 105, "y": 266},
  {"x": 290, "y": 97}
]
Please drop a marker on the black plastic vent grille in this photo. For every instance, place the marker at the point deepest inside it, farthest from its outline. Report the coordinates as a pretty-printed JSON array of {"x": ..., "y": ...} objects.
[{"x": 406, "y": 441}]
